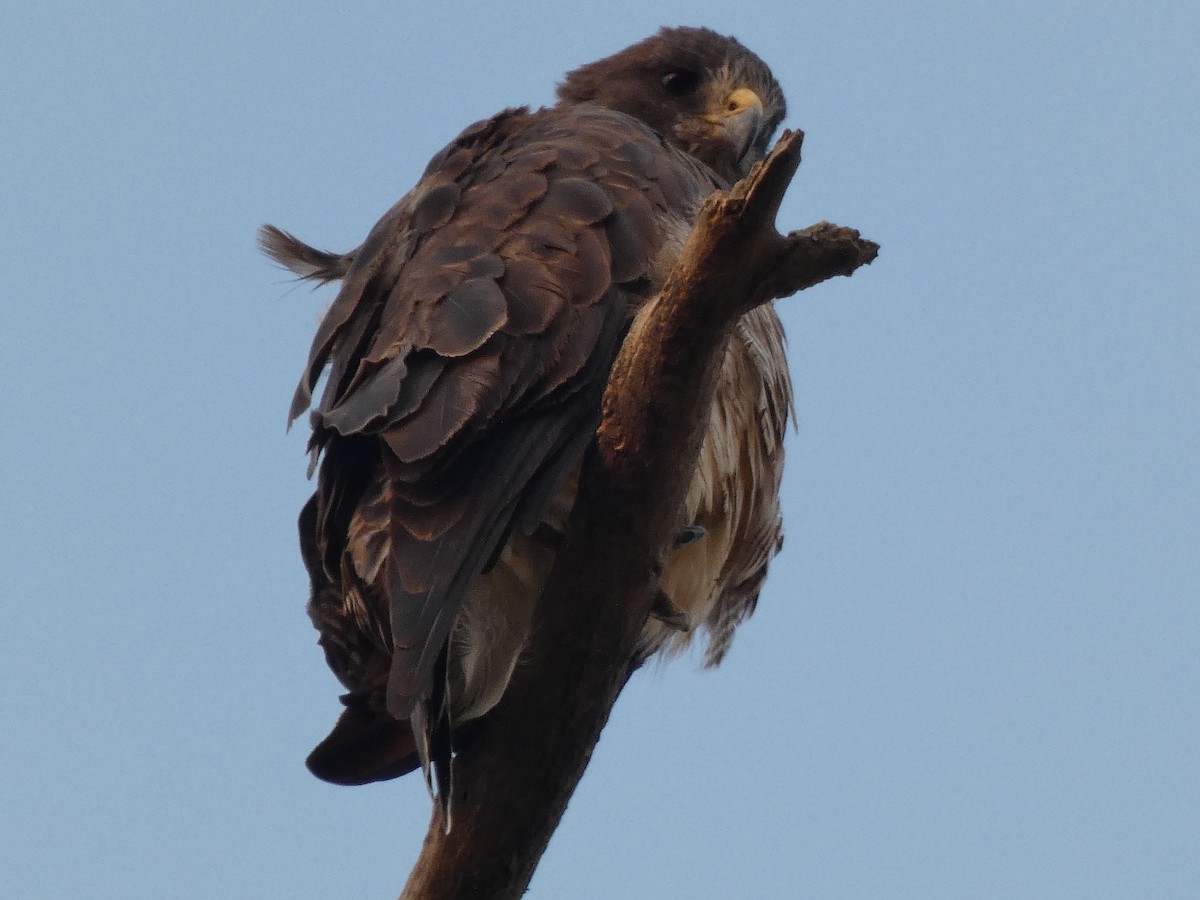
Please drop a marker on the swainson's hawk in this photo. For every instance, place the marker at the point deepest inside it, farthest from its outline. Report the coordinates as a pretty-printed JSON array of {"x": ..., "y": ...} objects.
[{"x": 465, "y": 356}]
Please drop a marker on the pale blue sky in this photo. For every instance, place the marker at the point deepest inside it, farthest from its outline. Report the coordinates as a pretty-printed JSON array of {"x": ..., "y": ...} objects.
[{"x": 974, "y": 669}]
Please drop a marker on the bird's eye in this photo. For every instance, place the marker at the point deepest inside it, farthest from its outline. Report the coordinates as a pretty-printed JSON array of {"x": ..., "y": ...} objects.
[{"x": 680, "y": 82}]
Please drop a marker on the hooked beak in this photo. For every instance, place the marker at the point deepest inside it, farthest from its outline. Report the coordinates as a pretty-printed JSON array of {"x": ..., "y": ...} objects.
[{"x": 741, "y": 122}]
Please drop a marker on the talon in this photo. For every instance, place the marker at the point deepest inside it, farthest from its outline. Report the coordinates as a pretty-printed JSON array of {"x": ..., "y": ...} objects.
[
  {"x": 689, "y": 535},
  {"x": 664, "y": 609}
]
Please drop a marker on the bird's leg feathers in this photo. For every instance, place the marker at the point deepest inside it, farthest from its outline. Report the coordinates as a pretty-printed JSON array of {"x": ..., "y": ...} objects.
[{"x": 664, "y": 609}]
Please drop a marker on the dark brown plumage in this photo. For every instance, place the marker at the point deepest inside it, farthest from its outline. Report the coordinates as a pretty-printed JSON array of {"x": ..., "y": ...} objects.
[{"x": 465, "y": 356}]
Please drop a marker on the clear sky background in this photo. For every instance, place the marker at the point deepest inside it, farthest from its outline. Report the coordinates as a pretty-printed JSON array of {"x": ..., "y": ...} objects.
[{"x": 973, "y": 672}]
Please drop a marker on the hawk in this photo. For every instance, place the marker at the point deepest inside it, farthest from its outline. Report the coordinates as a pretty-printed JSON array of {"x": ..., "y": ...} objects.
[{"x": 464, "y": 359}]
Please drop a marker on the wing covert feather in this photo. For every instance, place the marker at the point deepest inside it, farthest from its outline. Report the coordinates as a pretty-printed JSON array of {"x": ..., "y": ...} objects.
[{"x": 467, "y": 349}]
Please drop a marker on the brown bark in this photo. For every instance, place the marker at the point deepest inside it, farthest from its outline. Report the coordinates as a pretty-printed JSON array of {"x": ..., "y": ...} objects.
[{"x": 513, "y": 781}]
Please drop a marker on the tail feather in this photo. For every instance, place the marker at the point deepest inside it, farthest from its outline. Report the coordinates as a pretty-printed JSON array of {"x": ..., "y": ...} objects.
[
  {"x": 432, "y": 732},
  {"x": 364, "y": 746}
]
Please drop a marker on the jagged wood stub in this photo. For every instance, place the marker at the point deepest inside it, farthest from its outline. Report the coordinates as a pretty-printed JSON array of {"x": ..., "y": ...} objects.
[{"x": 512, "y": 782}]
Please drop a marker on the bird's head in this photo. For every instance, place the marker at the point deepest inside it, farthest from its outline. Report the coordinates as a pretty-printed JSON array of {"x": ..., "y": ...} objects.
[{"x": 705, "y": 93}]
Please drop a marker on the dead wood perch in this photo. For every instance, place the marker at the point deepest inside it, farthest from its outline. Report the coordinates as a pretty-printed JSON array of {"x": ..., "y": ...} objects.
[{"x": 513, "y": 781}]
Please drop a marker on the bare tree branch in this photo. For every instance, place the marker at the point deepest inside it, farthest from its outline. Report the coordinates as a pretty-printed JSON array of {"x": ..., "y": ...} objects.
[{"x": 512, "y": 782}]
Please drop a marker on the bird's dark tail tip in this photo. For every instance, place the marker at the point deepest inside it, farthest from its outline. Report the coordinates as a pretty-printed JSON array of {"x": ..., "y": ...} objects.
[{"x": 364, "y": 746}]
